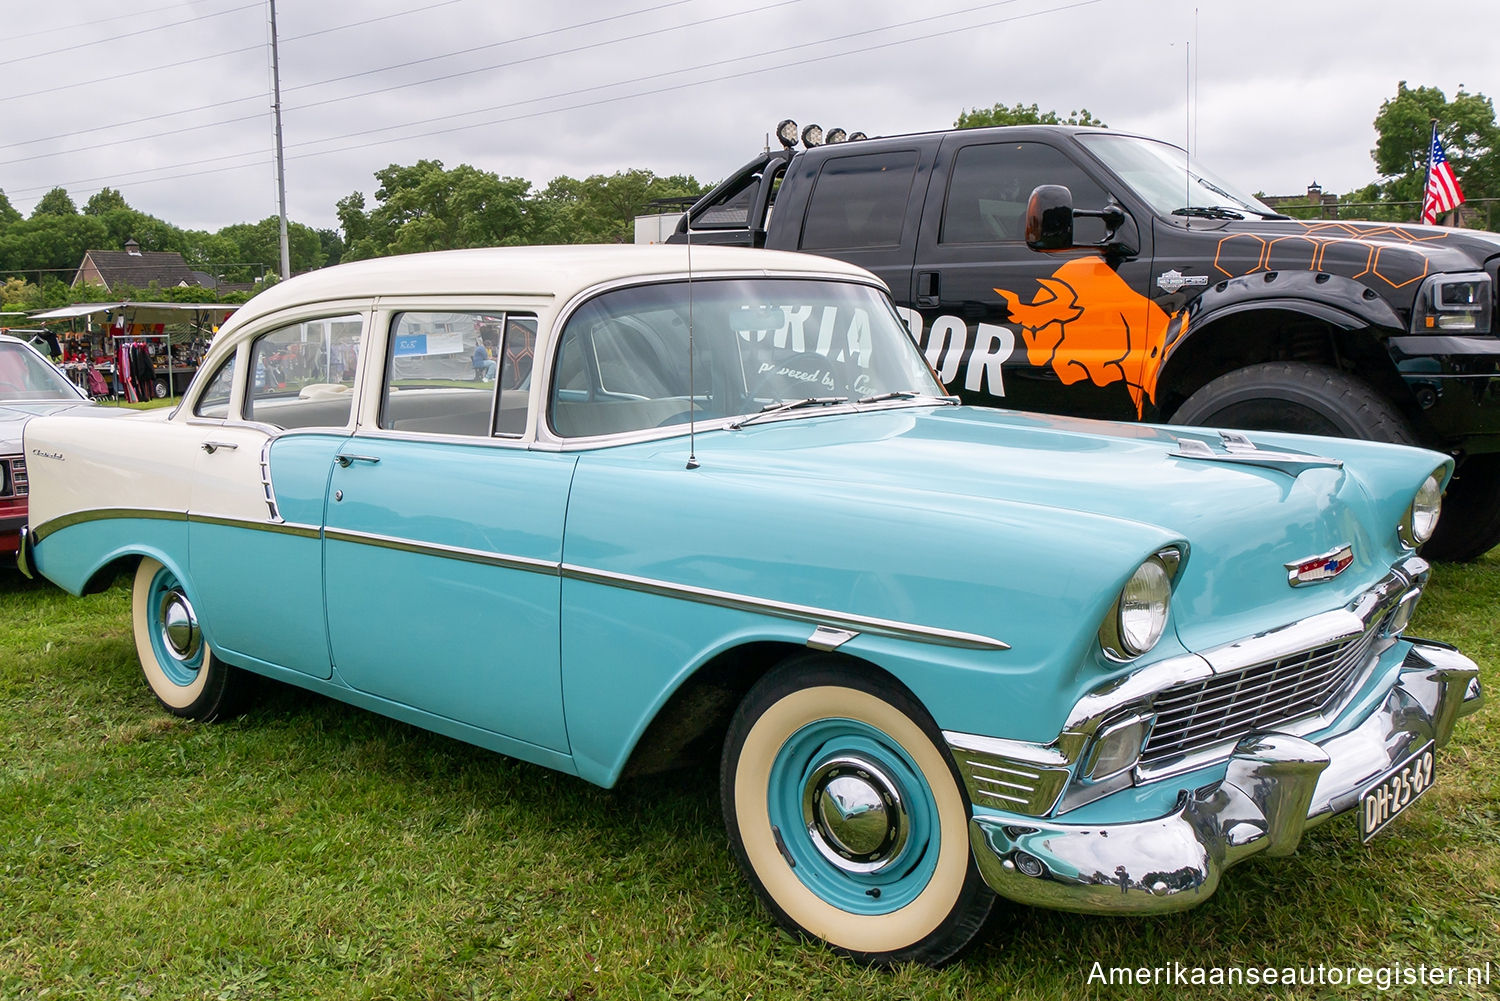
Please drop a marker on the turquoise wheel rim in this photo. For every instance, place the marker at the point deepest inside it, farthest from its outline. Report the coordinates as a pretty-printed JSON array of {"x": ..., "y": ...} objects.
[
  {"x": 175, "y": 637},
  {"x": 879, "y": 853}
]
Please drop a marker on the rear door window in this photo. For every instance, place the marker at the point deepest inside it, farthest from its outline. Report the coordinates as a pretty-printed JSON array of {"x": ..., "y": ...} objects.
[{"x": 860, "y": 201}]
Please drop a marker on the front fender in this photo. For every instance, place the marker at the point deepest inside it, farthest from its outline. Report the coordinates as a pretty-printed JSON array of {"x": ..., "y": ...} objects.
[{"x": 1341, "y": 303}]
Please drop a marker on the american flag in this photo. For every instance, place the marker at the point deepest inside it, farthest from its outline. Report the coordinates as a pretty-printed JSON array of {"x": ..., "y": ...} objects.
[{"x": 1442, "y": 194}]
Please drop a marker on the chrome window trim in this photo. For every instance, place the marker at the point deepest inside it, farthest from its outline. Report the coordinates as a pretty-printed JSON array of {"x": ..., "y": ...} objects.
[
  {"x": 438, "y": 438},
  {"x": 546, "y": 363}
]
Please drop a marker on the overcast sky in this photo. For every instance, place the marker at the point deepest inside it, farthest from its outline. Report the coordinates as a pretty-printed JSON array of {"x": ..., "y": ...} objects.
[{"x": 169, "y": 101}]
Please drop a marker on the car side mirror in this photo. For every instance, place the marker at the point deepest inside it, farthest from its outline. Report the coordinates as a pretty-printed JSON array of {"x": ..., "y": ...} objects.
[{"x": 1049, "y": 218}]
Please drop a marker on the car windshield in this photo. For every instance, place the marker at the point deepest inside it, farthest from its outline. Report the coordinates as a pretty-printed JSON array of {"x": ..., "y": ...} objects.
[
  {"x": 757, "y": 345},
  {"x": 1161, "y": 174},
  {"x": 25, "y": 376}
]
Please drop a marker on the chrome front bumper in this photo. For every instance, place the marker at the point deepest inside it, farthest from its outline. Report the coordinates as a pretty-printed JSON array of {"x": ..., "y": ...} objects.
[{"x": 1275, "y": 786}]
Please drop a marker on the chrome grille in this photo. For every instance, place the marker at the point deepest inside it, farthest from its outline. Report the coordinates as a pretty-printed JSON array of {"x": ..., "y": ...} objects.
[
  {"x": 1201, "y": 714},
  {"x": 1006, "y": 782},
  {"x": 13, "y": 477}
]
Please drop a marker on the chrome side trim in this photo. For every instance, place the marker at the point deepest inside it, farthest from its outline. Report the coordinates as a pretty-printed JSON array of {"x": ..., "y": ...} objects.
[
  {"x": 23, "y": 556},
  {"x": 801, "y": 613},
  {"x": 829, "y": 623},
  {"x": 523, "y": 563},
  {"x": 278, "y": 527},
  {"x": 827, "y": 639},
  {"x": 40, "y": 532}
]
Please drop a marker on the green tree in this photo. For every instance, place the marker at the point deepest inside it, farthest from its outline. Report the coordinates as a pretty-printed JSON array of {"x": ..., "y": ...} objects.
[
  {"x": 333, "y": 246},
  {"x": 602, "y": 208},
  {"x": 424, "y": 206},
  {"x": 54, "y": 202},
  {"x": 1022, "y": 114},
  {"x": 1403, "y": 128},
  {"x": 104, "y": 200},
  {"x": 245, "y": 251},
  {"x": 8, "y": 213}
]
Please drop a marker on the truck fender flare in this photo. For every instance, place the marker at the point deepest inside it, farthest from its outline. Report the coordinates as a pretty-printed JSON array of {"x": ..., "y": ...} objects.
[{"x": 1340, "y": 302}]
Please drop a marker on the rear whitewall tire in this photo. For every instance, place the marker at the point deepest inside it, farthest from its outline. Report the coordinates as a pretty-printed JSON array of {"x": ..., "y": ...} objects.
[{"x": 182, "y": 673}]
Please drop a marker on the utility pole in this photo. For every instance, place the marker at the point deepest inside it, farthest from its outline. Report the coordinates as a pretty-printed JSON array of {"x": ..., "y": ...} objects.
[{"x": 286, "y": 253}]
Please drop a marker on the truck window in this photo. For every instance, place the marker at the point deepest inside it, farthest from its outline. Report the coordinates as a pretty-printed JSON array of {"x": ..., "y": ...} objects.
[
  {"x": 992, "y": 182},
  {"x": 859, "y": 201}
]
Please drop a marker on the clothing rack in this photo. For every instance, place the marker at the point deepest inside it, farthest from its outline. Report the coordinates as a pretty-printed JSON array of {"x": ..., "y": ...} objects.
[{"x": 127, "y": 383}]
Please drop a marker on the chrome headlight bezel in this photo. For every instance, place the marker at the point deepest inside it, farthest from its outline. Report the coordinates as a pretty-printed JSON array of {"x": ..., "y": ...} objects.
[
  {"x": 1123, "y": 640},
  {"x": 1422, "y": 515},
  {"x": 1459, "y": 303}
]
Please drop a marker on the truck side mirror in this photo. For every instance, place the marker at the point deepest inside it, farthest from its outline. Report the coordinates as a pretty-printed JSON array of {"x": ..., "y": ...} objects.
[{"x": 1049, "y": 218}]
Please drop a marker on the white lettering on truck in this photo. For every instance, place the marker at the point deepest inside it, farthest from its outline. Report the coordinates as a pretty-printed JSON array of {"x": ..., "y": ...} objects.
[{"x": 947, "y": 342}]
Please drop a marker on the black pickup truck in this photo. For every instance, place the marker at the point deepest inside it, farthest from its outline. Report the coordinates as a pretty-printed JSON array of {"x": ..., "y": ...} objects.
[{"x": 1090, "y": 272}]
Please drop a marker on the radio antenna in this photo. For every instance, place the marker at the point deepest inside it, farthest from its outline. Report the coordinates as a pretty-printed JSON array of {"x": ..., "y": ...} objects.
[
  {"x": 1187, "y": 136},
  {"x": 692, "y": 462}
]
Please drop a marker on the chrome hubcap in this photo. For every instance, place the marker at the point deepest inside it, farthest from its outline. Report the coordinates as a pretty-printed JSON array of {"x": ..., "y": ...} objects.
[
  {"x": 179, "y": 626},
  {"x": 854, "y": 815}
]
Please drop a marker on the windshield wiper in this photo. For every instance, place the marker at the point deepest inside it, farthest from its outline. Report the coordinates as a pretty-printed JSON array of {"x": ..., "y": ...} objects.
[
  {"x": 786, "y": 405},
  {"x": 905, "y": 394},
  {"x": 1210, "y": 212}
]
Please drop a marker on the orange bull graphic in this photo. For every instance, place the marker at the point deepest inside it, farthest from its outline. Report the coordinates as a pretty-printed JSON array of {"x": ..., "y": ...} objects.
[{"x": 1087, "y": 323}]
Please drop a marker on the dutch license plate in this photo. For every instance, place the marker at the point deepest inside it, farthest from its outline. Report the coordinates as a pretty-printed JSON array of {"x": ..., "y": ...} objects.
[{"x": 1395, "y": 791}]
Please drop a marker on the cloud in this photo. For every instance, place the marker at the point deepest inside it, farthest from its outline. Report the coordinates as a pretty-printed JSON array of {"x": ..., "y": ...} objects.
[{"x": 1285, "y": 92}]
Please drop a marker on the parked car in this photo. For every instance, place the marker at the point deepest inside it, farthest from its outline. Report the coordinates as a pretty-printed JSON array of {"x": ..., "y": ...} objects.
[
  {"x": 945, "y": 653},
  {"x": 29, "y": 385}
]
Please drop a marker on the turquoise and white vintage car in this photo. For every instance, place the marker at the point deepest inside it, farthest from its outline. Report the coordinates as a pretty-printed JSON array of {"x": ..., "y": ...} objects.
[{"x": 949, "y": 654}]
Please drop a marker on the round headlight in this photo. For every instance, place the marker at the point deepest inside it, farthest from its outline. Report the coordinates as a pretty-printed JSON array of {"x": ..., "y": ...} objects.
[
  {"x": 812, "y": 136},
  {"x": 786, "y": 132},
  {"x": 1139, "y": 615},
  {"x": 1422, "y": 518}
]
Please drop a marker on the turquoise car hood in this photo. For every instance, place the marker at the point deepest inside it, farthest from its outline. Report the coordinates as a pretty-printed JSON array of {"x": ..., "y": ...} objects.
[{"x": 1069, "y": 504}]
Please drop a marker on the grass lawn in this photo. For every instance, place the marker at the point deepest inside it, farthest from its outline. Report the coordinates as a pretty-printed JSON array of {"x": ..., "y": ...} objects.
[{"x": 313, "y": 850}]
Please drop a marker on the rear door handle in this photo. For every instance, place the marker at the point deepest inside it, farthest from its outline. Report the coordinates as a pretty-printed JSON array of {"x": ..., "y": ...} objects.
[
  {"x": 928, "y": 293},
  {"x": 213, "y": 446},
  {"x": 346, "y": 461}
]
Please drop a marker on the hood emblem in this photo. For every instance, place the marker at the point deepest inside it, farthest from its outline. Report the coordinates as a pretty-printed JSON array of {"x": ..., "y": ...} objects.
[
  {"x": 1317, "y": 569},
  {"x": 1171, "y": 281}
]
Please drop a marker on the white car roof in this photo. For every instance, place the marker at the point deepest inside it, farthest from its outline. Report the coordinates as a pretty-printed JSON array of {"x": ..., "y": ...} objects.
[{"x": 548, "y": 271}]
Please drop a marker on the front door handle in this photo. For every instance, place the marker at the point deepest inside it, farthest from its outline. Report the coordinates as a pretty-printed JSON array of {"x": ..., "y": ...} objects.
[
  {"x": 346, "y": 461},
  {"x": 213, "y": 446},
  {"x": 928, "y": 292}
]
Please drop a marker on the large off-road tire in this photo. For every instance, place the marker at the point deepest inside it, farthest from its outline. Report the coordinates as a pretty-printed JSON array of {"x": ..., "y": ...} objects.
[
  {"x": 847, "y": 815},
  {"x": 1470, "y": 525},
  {"x": 1296, "y": 396},
  {"x": 179, "y": 668}
]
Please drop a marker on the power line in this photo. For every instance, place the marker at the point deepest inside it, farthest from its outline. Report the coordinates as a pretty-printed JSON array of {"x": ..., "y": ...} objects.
[
  {"x": 534, "y": 37},
  {"x": 92, "y": 22},
  {"x": 319, "y": 83},
  {"x": 114, "y": 78},
  {"x": 218, "y": 104},
  {"x": 219, "y": 55},
  {"x": 640, "y": 79},
  {"x": 757, "y": 70},
  {"x": 129, "y": 34}
]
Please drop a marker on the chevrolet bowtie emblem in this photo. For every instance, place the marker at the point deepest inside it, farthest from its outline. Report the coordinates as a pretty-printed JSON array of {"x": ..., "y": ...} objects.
[{"x": 1317, "y": 569}]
